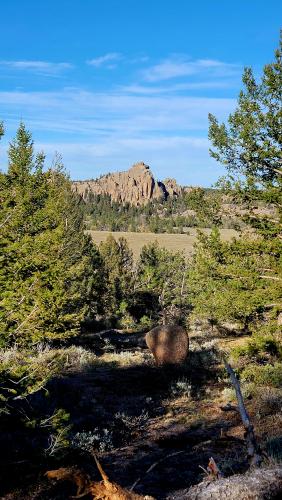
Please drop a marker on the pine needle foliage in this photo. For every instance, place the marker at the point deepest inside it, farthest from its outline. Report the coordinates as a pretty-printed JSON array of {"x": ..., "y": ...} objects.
[
  {"x": 242, "y": 280},
  {"x": 49, "y": 269}
]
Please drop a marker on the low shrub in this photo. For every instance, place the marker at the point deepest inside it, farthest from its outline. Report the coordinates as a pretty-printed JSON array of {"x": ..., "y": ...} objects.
[
  {"x": 268, "y": 401},
  {"x": 98, "y": 439},
  {"x": 24, "y": 372},
  {"x": 260, "y": 348},
  {"x": 133, "y": 423},
  {"x": 181, "y": 388},
  {"x": 268, "y": 374}
]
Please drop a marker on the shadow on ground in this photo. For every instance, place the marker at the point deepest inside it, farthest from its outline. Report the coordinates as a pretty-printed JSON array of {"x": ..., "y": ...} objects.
[{"x": 110, "y": 397}]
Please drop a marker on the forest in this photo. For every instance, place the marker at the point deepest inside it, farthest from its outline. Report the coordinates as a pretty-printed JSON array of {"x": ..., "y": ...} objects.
[
  {"x": 198, "y": 208},
  {"x": 76, "y": 377}
]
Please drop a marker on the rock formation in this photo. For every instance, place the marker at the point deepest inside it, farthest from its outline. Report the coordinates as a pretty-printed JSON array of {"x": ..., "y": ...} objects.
[
  {"x": 136, "y": 186},
  {"x": 169, "y": 344},
  {"x": 172, "y": 188}
]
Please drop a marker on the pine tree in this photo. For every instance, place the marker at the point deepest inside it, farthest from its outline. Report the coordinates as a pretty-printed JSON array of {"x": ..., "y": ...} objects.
[
  {"x": 118, "y": 267},
  {"x": 50, "y": 270},
  {"x": 250, "y": 146},
  {"x": 242, "y": 280},
  {"x": 163, "y": 275},
  {"x": 227, "y": 281}
]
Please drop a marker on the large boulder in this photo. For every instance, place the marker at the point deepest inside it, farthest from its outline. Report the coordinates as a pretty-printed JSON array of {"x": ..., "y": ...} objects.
[{"x": 169, "y": 344}]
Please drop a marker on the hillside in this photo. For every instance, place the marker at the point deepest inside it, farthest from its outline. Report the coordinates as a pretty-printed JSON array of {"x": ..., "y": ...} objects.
[{"x": 135, "y": 201}]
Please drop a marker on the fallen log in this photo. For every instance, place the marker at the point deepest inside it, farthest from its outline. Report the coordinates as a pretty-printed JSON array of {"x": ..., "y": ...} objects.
[{"x": 257, "y": 484}]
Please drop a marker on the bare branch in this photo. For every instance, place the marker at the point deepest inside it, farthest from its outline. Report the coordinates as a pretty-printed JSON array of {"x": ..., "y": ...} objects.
[{"x": 254, "y": 454}]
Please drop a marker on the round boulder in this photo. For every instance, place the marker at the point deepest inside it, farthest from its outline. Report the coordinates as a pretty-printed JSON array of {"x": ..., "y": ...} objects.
[{"x": 168, "y": 344}]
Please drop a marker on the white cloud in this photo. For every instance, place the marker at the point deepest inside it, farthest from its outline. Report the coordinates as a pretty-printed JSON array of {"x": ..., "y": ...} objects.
[
  {"x": 179, "y": 66},
  {"x": 99, "y": 132},
  {"x": 39, "y": 67},
  {"x": 184, "y": 158},
  {"x": 105, "y": 60},
  {"x": 138, "y": 60},
  {"x": 178, "y": 87},
  {"x": 113, "y": 112}
]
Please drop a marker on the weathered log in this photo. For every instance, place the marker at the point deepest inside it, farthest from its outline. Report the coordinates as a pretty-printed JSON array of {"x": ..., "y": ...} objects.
[
  {"x": 258, "y": 484},
  {"x": 253, "y": 451}
]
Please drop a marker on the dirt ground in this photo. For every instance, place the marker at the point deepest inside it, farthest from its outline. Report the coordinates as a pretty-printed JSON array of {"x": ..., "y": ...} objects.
[{"x": 158, "y": 426}]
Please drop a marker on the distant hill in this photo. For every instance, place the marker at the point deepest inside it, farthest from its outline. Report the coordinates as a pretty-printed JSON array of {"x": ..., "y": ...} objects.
[
  {"x": 133, "y": 200},
  {"x": 136, "y": 186}
]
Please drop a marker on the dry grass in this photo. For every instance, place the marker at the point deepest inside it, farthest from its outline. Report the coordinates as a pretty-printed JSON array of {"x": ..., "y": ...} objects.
[
  {"x": 173, "y": 242},
  {"x": 127, "y": 358}
]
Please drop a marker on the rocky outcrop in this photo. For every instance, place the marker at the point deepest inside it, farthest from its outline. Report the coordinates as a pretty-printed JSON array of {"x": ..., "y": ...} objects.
[
  {"x": 136, "y": 186},
  {"x": 172, "y": 188}
]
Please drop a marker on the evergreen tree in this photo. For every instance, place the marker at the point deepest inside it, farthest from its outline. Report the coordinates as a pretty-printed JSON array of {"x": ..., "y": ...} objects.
[
  {"x": 227, "y": 281},
  {"x": 163, "y": 275},
  {"x": 250, "y": 146},
  {"x": 118, "y": 268},
  {"x": 242, "y": 280},
  {"x": 49, "y": 269}
]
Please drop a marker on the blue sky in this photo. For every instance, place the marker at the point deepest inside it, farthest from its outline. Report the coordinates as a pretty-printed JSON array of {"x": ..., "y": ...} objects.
[{"x": 107, "y": 83}]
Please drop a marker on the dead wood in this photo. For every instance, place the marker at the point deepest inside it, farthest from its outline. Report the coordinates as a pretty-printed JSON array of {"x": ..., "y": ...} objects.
[
  {"x": 258, "y": 484},
  {"x": 102, "y": 490},
  {"x": 213, "y": 470},
  {"x": 79, "y": 478},
  {"x": 253, "y": 451}
]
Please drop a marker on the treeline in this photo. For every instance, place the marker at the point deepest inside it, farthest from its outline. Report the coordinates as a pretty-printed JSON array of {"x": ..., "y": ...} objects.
[
  {"x": 197, "y": 208},
  {"x": 54, "y": 280}
]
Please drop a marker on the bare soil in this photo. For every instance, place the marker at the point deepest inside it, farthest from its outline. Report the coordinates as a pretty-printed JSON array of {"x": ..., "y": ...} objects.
[{"x": 163, "y": 453}]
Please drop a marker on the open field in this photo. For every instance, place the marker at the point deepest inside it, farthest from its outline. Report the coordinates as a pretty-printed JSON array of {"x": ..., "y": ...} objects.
[{"x": 174, "y": 242}]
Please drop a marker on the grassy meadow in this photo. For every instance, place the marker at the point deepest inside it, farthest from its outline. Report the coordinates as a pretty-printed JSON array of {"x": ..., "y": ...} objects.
[{"x": 173, "y": 242}]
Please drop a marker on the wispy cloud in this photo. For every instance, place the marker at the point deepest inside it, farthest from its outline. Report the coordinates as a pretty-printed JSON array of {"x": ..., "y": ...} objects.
[
  {"x": 105, "y": 131},
  {"x": 178, "y": 87},
  {"x": 107, "y": 60},
  {"x": 138, "y": 60},
  {"x": 115, "y": 112},
  {"x": 184, "y": 158},
  {"x": 39, "y": 67},
  {"x": 179, "y": 66}
]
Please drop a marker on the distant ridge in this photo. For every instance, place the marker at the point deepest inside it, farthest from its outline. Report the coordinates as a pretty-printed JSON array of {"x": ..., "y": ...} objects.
[{"x": 136, "y": 186}]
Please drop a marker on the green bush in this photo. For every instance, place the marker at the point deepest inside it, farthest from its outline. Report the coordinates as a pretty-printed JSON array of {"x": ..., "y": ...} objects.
[
  {"x": 259, "y": 347},
  {"x": 146, "y": 322},
  {"x": 263, "y": 375},
  {"x": 25, "y": 372}
]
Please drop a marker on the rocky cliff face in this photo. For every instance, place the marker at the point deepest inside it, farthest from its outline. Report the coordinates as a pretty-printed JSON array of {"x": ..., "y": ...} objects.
[{"x": 136, "y": 186}]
